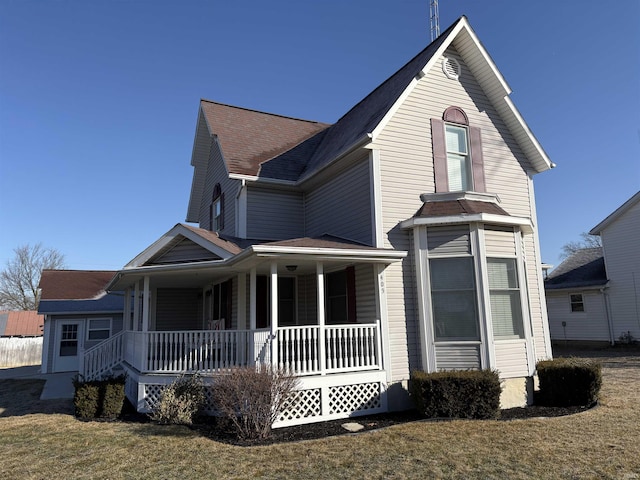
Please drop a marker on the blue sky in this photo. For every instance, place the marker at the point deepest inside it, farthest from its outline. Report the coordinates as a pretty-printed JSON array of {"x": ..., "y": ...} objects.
[{"x": 98, "y": 101}]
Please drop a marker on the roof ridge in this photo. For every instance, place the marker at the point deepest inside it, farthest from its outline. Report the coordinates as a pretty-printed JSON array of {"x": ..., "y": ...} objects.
[{"x": 288, "y": 117}]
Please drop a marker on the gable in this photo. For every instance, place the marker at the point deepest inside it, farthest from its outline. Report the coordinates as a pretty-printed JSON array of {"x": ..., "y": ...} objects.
[{"x": 182, "y": 250}]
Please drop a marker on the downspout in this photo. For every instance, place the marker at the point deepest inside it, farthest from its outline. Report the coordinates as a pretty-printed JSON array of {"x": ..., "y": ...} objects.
[{"x": 607, "y": 313}]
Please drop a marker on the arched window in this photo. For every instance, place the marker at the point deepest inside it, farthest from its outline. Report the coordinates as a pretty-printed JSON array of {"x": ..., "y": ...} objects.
[{"x": 457, "y": 153}]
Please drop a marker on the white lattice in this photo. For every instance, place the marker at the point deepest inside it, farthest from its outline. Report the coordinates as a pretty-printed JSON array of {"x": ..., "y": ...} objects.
[
  {"x": 354, "y": 398},
  {"x": 152, "y": 394},
  {"x": 304, "y": 404}
]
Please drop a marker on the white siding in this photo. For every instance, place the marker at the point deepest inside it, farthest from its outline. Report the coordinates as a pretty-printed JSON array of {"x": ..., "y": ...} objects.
[
  {"x": 406, "y": 171},
  {"x": 457, "y": 357},
  {"x": 274, "y": 214},
  {"x": 511, "y": 358},
  {"x": 499, "y": 242},
  {"x": 365, "y": 294},
  {"x": 621, "y": 241},
  {"x": 342, "y": 207},
  {"x": 590, "y": 325}
]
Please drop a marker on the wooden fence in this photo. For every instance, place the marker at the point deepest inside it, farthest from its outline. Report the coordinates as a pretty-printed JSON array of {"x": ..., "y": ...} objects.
[{"x": 18, "y": 351}]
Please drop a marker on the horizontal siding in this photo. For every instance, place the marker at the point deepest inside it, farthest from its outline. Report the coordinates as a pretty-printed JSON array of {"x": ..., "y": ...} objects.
[
  {"x": 457, "y": 357},
  {"x": 511, "y": 359},
  {"x": 365, "y": 294},
  {"x": 499, "y": 242},
  {"x": 536, "y": 297},
  {"x": 274, "y": 214},
  {"x": 453, "y": 240},
  {"x": 185, "y": 251},
  {"x": 178, "y": 308},
  {"x": 621, "y": 241},
  {"x": 588, "y": 325},
  {"x": 342, "y": 207}
]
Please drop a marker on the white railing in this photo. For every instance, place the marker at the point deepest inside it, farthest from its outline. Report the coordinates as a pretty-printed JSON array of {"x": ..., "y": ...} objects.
[
  {"x": 101, "y": 358},
  {"x": 346, "y": 348}
]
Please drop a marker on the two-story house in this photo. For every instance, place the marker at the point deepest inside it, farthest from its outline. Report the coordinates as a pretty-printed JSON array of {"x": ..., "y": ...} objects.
[{"x": 403, "y": 236}]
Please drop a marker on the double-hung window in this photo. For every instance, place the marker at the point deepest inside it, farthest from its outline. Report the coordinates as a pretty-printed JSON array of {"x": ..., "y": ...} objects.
[
  {"x": 458, "y": 161},
  {"x": 504, "y": 293},
  {"x": 216, "y": 210},
  {"x": 577, "y": 302},
  {"x": 98, "y": 329}
]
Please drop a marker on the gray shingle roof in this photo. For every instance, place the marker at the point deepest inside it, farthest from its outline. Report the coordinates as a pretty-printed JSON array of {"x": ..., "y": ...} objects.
[{"x": 584, "y": 268}]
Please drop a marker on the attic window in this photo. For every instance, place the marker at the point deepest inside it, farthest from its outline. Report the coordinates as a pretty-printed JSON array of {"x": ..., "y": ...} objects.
[{"x": 451, "y": 68}]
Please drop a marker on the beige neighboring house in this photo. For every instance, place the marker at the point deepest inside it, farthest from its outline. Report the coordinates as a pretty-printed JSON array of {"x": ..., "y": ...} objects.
[{"x": 402, "y": 237}]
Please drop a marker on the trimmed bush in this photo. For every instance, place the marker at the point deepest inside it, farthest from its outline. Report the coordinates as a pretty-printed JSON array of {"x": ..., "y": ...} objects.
[
  {"x": 180, "y": 401},
  {"x": 457, "y": 393},
  {"x": 252, "y": 399},
  {"x": 568, "y": 381},
  {"x": 99, "y": 398}
]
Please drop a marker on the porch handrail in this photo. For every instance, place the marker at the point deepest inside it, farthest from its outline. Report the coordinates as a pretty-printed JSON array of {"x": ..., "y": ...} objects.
[{"x": 103, "y": 357}]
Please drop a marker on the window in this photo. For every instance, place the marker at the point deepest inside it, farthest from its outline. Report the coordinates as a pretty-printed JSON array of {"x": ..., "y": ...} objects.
[
  {"x": 216, "y": 210},
  {"x": 341, "y": 296},
  {"x": 504, "y": 293},
  {"x": 458, "y": 162},
  {"x": 99, "y": 329},
  {"x": 577, "y": 302},
  {"x": 69, "y": 340},
  {"x": 457, "y": 153},
  {"x": 453, "y": 294}
]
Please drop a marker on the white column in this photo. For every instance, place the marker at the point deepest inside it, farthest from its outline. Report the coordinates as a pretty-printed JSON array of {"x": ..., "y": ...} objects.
[
  {"x": 321, "y": 319},
  {"x": 274, "y": 314},
  {"x": 252, "y": 315},
  {"x": 145, "y": 305},
  {"x": 126, "y": 314}
]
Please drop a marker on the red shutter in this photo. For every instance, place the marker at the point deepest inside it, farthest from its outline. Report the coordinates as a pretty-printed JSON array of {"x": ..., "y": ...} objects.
[
  {"x": 477, "y": 161},
  {"x": 439, "y": 155},
  {"x": 351, "y": 295}
]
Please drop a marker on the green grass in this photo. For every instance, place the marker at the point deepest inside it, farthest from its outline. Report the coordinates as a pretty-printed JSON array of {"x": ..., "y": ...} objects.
[{"x": 599, "y": 443}]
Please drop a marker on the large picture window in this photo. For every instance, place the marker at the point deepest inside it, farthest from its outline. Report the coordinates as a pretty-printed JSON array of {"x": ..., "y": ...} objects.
[
  {"x": 504, "y": 292},
  {"x": 453, "y": 294}
]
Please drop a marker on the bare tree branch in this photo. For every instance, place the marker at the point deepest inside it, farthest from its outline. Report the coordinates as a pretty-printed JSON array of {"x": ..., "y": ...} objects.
[
  {"x": 587, "y": 241},
  {"x": 20, "y": 278}
]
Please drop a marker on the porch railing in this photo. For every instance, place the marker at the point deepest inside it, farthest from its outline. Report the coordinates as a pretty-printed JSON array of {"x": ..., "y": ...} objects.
[{"x": 102, "y": 358}]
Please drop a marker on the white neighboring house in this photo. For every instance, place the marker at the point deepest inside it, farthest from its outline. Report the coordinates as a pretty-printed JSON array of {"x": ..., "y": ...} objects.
[{"x": 594, "y": 295}]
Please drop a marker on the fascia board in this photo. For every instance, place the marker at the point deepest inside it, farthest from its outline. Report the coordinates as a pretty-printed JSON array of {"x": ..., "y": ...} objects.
[
  {"x": 256, "y": 179},
  {"x": 523, "y": 222},
  {"x": 576, "y": 289},
  {"x": 617, "y": 213},
  {"x": 333, "y": 253}
]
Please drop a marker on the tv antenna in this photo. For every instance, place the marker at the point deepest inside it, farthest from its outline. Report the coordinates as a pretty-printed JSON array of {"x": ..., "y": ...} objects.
[{"x": 434, "y": 19}]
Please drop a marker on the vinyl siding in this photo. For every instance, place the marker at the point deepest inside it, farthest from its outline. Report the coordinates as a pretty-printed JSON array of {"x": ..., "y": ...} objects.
[
  {"x": 178, "y": 308},
  {"x": 342, "y": 207},
  {"x": 511, "y": 358},
  {"x": 589, "y": 325},
  {"x": 457, "y": 357},
  {"x": 185, "y": 251},
  {"x": 621, "y": 241},
  {"x": 406, "y": 171},
  {"x": 365, "y": 294},
  {"x": 499, "y": 242},
  {"x": 274, "y": 214},
  {"x": 217, "y": 173}
]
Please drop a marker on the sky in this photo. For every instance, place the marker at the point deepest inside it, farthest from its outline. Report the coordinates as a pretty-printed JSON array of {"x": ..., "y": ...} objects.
[{"x": 99, "y": 101}]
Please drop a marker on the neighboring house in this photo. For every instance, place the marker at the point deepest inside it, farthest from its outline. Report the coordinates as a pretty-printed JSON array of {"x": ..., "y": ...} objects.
[
  {"x": 576, "y": 302},
  {"x": 402, "y": 237},
  {"x": 20, "y": 338},
  {"x": 595, "y": 293},
  {"x": 78, "y": 314}
]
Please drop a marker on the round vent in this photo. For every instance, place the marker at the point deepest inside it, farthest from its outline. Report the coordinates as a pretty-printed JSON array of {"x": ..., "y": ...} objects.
[{"x": 451, "y": 68}]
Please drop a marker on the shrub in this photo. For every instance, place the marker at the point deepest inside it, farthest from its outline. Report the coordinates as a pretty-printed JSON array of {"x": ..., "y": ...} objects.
[
  {"x": 457, "y": 393},
  {"x": 180, "y": 401},
  {"x": 99, "y": 398},
  {"x": 252, "y": 399},
  {"x": 568, "y": 381}
]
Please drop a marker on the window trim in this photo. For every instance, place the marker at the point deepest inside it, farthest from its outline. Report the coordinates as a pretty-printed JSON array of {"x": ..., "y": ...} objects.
[
  {"x": 573, "y": 303},
  {"x": 216, "y": 209},
  {"x": 517, "y": 289},
  {"x": 89, "y": 329}
]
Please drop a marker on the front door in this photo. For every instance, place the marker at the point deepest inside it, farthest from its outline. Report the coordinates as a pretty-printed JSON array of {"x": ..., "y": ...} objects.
[{"x": 68, "y": 344}]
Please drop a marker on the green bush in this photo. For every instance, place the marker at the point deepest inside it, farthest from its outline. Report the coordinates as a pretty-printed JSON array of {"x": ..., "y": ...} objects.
[
  {"x": 99, "y": 398},
  {"x": 457, "y": 393},
  {"x": 180, "y": 401},
  {"x": 568, "y": 381}
]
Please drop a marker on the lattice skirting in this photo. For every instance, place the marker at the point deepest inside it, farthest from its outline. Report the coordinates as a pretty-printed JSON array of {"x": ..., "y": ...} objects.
[{"x": 317, "y": 399}]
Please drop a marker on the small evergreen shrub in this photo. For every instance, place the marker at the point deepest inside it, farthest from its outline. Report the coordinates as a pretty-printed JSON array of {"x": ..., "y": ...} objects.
[
  {"x": 99, "y": 398},
  {"x": 252, "y": 399},
  {"x": 180, "y": 401},
  {"x": 568, "y": 381},
  {"x": 457, "y": 393}
]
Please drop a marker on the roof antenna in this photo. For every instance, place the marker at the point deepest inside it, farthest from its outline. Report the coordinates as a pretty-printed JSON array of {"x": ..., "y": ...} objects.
[{"x": 434, "y": 19}]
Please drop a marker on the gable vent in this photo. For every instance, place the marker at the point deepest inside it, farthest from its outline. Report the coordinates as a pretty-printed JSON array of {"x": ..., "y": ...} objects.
[{"x": 451, "y": 68}]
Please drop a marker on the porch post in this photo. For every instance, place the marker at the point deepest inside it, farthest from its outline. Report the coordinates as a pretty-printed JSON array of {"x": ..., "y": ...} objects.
[
  {"x": 252, "y": 316},
  {"x": 321, "y": 320},
  {"x": 242, "y": 301},
  {"x": 136, "y": 307},
  {"x": 126, "y": 316},
  {"x": 274, "y": 314},
  {"x": 145, "y": 322}
]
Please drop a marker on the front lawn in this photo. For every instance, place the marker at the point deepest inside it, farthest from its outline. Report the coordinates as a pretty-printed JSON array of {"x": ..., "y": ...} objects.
[{"x": 599, "y": 443}]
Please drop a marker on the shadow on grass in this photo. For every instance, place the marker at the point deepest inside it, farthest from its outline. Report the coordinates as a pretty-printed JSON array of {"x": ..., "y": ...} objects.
[
  {"x": 22, "y": 397},
  {"x": 620, "y": 356}
]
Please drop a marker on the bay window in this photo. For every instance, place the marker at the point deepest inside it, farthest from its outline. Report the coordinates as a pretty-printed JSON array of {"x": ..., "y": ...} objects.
[{"x": 505, "y": 300}]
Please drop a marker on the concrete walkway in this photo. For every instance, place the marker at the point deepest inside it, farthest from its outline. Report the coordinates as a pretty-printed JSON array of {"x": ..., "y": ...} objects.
[{"x": 58, "y": 385}]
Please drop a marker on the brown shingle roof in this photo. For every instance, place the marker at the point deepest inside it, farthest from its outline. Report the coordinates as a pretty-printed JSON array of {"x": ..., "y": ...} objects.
[
  {"x": 214, "y": 238},
  {"x": 23, "y": 323},
  {"x": 458, "y": 207},
  {"x": 248, "y": 137},
  {"x": 324, "y": 241},
  {"x": 73, "y": 284}
]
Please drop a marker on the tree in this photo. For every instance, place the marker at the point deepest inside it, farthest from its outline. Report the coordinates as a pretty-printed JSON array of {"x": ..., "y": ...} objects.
[
  {"x": 20, "y": 278},
  {"x": 587, "y": 241}
]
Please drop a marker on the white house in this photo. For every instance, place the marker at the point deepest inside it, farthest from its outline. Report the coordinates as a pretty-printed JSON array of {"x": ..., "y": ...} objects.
[{"x": 402, "y": 237}]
